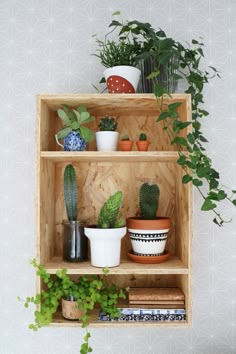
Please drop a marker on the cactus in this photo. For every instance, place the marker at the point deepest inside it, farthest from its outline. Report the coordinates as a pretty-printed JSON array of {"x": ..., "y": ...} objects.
[
  {"x": 142, "y": 137},
  {"x": 70, "y": 193},
  {"x": 107, "y": 124},
  {"x": 109, "y": 216},
  {"x": 148, "y": 200}
]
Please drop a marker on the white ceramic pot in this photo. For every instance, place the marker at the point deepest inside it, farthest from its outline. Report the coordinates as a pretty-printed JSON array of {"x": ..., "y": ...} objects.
[
  {"x": 107, "y": 140},
  {"x": 122, "y": 79},
  {"x": 105, "y": 245}
]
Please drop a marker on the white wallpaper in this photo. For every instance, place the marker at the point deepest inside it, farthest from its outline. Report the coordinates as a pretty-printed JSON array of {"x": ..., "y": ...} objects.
[{"x": 46, "y": 47}]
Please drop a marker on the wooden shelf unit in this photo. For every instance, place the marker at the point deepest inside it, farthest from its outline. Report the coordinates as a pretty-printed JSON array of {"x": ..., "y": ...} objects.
[{"x": 100, "y": 174}]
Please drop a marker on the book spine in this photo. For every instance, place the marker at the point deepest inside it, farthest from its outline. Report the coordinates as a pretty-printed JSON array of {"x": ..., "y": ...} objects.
[{"x": 147, "y": 315}]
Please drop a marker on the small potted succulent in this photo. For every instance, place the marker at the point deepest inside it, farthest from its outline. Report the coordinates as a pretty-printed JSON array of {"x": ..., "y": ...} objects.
[
  {"x": 119, "y": 58},
  {"x": 142, "y": 143},
  {"x": 107, "y": 138},
  {"x": 105, "y": 237},
  {"x": 125, "y": 143},
  {"x": 148, "y": 233},
  {"x": 75, "y": 136},
  {"x": 75, "y": 243}
]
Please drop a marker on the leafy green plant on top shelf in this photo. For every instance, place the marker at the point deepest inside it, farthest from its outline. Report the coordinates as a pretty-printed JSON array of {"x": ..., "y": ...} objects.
[
  {"x": 180, "y": 62},
  {"x": 75, "y": 135},
  {"x": 89, "y": 292}
]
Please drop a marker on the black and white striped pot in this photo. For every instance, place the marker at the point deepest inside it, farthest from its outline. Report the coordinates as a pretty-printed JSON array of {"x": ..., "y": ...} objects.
[{"x": 148, "y": 237}]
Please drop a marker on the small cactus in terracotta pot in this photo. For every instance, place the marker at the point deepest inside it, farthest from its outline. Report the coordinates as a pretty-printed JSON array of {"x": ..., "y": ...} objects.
[{"x": 142, "y": 143}]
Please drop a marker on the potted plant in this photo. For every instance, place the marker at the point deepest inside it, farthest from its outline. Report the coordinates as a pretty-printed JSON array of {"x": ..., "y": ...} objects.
[
  {"x": 107, "y": 137},
  {"x": 148, "y": 233},
  {"x": 75, "y": 243},
  {"x": 125, "y": 143},
  {"x": 180, "y": 62},
  {"x": 75, "y": 136},
  {"x": 88, "y": 292},
  {"x": 105, "y": 237},
  {"x": 142, "y": 143},
  {"x": 119, "y": 58}
]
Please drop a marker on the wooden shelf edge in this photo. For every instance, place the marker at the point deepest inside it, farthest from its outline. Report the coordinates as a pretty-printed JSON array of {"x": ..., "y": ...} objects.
[
  {"x": 172, "y": 266},
  {"x": 62, "y": 156}
]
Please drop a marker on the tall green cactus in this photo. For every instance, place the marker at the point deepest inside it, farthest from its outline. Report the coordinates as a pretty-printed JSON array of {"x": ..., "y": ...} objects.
[
  {"x": 70, "y": 193},
  {"x": 109, "y": 216},
  {"x": 148, "y": 200}
]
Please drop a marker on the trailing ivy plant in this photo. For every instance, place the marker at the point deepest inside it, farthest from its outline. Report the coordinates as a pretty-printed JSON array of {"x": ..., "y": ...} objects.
[
  {"x": 180, "y": 62},
  {"x": 89, "y": 291}
]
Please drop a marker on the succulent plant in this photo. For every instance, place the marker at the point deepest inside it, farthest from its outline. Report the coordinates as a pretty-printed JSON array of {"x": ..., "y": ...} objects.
[
  {"x": 70, "y": 193},
  {"x": 142, "y": 137},
  {"x": 148, "y": 200},
  {"x": 74, "y": 118},
  {"x": 107, "y": 124},
  {"x": 109, "y": 216},
  {"x": 125, "y": 137}
]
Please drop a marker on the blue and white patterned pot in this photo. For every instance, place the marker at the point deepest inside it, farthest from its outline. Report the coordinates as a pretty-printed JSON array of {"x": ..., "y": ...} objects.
[{"x": 74, "y": 142}]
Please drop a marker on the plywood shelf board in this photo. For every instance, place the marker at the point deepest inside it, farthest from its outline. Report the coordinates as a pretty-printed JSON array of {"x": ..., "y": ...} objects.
[{"x": 172, "y": 266}]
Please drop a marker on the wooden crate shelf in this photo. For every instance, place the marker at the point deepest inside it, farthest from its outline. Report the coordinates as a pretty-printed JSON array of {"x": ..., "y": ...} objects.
[{"x": 100, "y": 174}]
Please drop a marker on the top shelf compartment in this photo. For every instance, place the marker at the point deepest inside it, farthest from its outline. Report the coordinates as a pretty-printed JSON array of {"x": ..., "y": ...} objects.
[{"x": 135, "y": 113}]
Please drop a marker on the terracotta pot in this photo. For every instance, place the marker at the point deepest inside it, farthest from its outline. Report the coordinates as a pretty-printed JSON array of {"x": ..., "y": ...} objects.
[
  {"x": 126, "y": 145},
  {"x": 70, "y": 309},
  {"x": 142, "y": 145},
  {"x": 148, "y": 237}
]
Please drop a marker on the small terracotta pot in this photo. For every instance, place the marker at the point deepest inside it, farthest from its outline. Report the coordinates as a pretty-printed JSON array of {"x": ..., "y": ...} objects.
[
  {"x": 148, "y": 237},
  {"x": 126, "y": 145},
  {"x": 142, "y": 145}
]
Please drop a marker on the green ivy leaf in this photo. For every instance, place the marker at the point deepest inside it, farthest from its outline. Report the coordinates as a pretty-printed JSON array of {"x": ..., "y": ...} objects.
[
  {"x": 182, "y": 160},
  {"x": 62, "y": 114},
  {"x": 163, "y": 116},
  {"x": 186, "y": 179},
  {"x": 174, "y": 105},
  {"x": 208, "y": 205},
  {"x": 197, "y": 182},
  {"x": 179, "y": 140}
]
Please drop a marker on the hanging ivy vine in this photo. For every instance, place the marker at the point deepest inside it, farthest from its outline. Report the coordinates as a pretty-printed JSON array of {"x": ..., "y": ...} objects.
[{"x": 180, "y": 62}]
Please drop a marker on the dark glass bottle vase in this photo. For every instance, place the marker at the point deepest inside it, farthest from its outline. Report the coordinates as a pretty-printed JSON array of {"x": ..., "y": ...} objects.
[{"x": 75, "y": 243}]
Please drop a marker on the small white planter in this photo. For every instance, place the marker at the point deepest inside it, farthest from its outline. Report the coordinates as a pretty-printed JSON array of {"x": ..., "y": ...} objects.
[
  {"x": 122, "y": 79},
  {"x": 105, "y": 245},
  {"x": 107, "y": 140}
]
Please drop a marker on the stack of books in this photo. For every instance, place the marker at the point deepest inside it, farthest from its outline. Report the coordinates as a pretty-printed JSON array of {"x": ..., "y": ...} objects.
[
  {"x": 152, "y": 304},
  {"x": 156, "y": 298}
]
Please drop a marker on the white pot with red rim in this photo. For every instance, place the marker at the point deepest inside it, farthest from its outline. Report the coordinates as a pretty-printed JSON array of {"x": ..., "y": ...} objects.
[{"x": 122, "y": 79}]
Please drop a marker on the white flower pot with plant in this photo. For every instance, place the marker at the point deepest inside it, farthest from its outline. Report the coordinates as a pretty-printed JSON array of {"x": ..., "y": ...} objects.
[
  {"x": 105, "y": 237},
  {"x": 107, "y": 138}
]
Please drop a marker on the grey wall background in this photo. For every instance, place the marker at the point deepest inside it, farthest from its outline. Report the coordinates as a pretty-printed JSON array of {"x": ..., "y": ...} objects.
[{"x": 45, "y": 48}]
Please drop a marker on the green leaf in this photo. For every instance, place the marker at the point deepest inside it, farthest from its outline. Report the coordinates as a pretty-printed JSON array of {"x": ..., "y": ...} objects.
[
  {"x": 163, "y": 116},
  {"x": 84, "y": 116},
  {"x": 62, "y": 114},
  {"x": 158, "y": 90},
  {"x": 86, "y": 134},
  {"x": 208, "y": 205},
  {"x": 197, "y": 182},
  {"x": 75, "y": 126},
  {"x": 116, "y": 13},
  {"x": 191, "y": 138},
  {"x": 174, "y": 105},
  {"x": 153, "y": 74},
  {"x": 234, "y": 202},
  {"x": 186, "y": 179},
  {"x": 179, "y": 140},
  {"x": 182, "y": 160},
  {"x": 81, "y": 109},
  {"x": 63, "y": 133}
]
